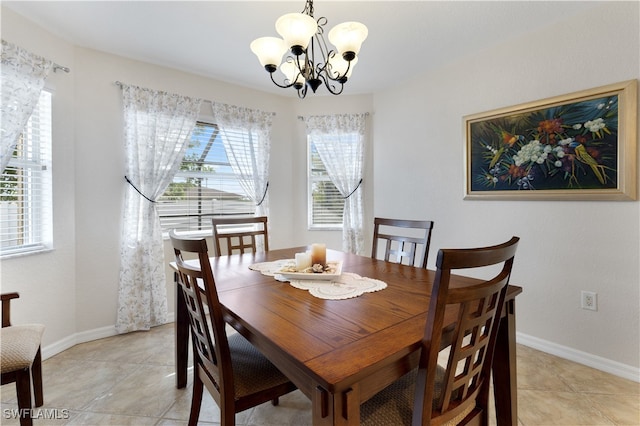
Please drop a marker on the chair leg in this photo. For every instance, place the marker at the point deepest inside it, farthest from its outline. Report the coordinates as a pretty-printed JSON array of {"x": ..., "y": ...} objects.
[
  {"x": 36, "y": 374},
  {"x": 23, "y": 391},
  {"x": 196, "y": 399},
  {"x": 275, "y": 401}
]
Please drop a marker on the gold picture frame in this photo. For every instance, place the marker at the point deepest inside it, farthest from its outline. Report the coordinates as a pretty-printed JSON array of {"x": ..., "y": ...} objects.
[{"x": 578, "y": 146}]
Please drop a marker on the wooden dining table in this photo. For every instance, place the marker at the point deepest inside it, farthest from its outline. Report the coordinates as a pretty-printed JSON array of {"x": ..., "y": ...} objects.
[{"x": 339, "y": 353}]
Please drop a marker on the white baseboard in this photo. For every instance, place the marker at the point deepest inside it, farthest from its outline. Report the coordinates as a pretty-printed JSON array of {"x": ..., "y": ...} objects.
[
  {"x": 612, "y": 367},
  {"x": 85, "y": 336},
  {"x": 599, "y": 363}
]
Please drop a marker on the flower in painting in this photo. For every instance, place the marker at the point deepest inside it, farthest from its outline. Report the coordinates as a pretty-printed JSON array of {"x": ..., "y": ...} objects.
[
  {"x": 525, "y": 182},
  {"x": 595, "y": 125},
  {"x": 516, "y": 171},
  {"x": 550, "y": 126},
  {"x": 528, "y": 153}
]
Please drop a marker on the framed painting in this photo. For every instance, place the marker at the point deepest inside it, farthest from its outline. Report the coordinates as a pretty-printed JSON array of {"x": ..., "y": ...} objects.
[{"x": 579, "y": 146}]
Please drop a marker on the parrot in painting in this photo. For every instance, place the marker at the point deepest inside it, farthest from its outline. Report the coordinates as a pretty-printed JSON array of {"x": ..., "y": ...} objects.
[
  {"x": 506, "y": 137},
  {"x": 510, "y": 139},
  {"x": 583, "y": 156}
]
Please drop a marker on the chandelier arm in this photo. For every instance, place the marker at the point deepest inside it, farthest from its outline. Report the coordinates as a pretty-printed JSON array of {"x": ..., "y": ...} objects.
[
  {"x": 286, "y": 86},
  {"x": 302, "y": 92},
  {"x": 340, "y": 78},
  {"x": 330, "y": 87},
  {"x": 322, "y": 43},
  {"x": 301, "y": 67},
  {"x": 310, "y": 57}
]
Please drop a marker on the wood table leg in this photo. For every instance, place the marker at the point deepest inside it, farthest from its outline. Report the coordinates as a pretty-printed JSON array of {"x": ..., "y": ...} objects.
[
  {"x": 341, "y": 409},
  {"x": 505, "y": 385},
  {"x": 320, "y": 407},
  {"x": 182, "y": 337}
]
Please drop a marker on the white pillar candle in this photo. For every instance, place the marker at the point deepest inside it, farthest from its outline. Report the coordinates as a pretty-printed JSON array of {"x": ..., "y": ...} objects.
[
  {"x": 318, "y": 254},
  {"x": 303, "y": 261}
]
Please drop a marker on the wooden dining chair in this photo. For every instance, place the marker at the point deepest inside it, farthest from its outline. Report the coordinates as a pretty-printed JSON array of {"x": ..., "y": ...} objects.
[
  {"x": 239, "y": 234},
  {"x": 458, "y": 392},
  {"x": 402, "y": 240},
  {"x": 21, "y": 359},
  {"x": 236, "y": 374}
]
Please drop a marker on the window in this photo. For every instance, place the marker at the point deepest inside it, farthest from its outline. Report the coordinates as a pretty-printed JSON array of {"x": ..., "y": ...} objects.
[
  {"x": 25, "y": 187},
  {"x": 205, "y": 186},
  {"x": 326, "y": 204}
]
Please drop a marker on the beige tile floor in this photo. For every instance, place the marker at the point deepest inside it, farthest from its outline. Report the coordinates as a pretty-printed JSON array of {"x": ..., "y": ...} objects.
[{"x": 129, "y": 380}]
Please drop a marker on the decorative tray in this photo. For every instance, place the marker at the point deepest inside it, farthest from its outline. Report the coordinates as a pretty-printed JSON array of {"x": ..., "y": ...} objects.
[{"x": 332, "y": 271}]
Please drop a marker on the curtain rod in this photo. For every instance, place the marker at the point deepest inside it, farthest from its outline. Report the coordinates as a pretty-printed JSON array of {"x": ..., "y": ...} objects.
[
  {"x": 301, "y": 117},
  {"x": 57, "y": 67},
  {"x": 120, "y": 84}
]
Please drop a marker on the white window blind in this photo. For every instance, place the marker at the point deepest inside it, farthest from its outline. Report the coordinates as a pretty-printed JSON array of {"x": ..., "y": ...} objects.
[
  {"x": 205, "y": 186},
  {"x": 25, "y": 187},
  {"x": 326, "y": 204}
]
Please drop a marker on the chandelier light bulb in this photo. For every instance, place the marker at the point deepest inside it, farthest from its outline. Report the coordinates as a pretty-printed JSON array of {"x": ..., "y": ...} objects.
[
  {"x": 269, "y": 51},
  {"x": 296, "y": 29},
  {"x": 348, "y": 37}
]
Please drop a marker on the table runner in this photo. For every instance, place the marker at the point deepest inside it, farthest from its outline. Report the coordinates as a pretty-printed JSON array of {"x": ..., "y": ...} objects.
[{"x": 346, "y": 286}]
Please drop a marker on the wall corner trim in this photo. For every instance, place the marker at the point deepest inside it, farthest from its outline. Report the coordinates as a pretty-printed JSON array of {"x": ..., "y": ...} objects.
[
  {"x": 594, "y": 361},
  {"x": 85, "y": 336}
]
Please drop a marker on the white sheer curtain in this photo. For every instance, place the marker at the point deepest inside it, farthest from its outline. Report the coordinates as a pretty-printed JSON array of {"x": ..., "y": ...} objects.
[
  {"x": 23, "y": 76},
  {"x": 339, "y": 140},
  {"x": 157, "y": 129},
  {"x": 249, "y": 155}
]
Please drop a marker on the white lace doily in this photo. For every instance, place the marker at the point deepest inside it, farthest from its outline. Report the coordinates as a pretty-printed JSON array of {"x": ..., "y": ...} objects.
[
  {"x": 271, "y": 268},
  {"x": 346, "y": 286}
]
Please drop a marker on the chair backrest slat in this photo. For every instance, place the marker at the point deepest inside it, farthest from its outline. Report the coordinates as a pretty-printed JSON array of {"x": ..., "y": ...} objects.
[
  {"x": 403, "y": 245},
  {"x": 225, "y": 230},
  {"x": 6, "y": 307}
]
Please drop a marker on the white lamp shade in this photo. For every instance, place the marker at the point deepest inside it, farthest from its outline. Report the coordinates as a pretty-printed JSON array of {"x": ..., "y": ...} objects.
[
  {"x": 269, "y": 50},
  {"x": 348, "y": 36},
  {"x": 338, "y": 66},
  {"x": 296, "y": 29},
  {"x": 291, "y": 73}
]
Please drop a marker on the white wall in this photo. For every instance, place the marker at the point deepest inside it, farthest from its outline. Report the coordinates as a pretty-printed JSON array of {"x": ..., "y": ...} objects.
[
  {"x": 47, "y": 282},
  {"x": 566, "y": 246},
  {"x": 417, "y": 159}
]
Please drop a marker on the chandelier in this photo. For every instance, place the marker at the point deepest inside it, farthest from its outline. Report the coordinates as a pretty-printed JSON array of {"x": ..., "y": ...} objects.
[{"x": 310, "y": 62}]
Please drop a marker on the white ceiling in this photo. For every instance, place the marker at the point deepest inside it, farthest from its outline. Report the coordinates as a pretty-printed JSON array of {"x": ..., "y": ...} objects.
[{"x": 212, "y": 38}]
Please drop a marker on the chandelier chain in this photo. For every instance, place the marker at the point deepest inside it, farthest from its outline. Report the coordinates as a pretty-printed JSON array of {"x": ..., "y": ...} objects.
[{"x": 308, "y": 8}]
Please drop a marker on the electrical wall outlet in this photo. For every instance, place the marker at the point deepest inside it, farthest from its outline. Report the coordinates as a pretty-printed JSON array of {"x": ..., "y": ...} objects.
[{"x": 589, "y": 300}]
